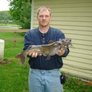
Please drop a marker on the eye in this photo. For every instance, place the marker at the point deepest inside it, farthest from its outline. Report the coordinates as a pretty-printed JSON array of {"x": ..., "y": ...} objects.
[
  {"x": 44, "y": 16},
  {"x": 41, "y": 16}
]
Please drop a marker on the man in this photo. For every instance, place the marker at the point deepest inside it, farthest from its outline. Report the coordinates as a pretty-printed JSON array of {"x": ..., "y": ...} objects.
[{"x": 44, "y": 75}]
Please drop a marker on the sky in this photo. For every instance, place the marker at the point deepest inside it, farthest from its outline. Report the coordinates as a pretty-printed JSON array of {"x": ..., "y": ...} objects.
[{"x": 4, "y": 5}]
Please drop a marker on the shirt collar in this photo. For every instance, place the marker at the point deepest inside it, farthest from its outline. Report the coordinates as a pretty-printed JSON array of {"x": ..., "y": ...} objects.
[{"x": 44, "y": 34}]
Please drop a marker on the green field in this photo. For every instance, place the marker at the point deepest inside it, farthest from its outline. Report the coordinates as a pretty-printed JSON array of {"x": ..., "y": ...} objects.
[{"x": 14, "y": 76}]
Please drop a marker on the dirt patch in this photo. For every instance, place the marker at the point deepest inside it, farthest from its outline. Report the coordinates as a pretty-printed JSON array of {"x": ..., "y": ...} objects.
[{"x": 2, "y": 62}]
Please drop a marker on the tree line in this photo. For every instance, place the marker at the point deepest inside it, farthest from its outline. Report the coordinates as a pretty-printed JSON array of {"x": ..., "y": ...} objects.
[
  {"x": 19, "y": 13},
  {"x": 5, "y": 17}
]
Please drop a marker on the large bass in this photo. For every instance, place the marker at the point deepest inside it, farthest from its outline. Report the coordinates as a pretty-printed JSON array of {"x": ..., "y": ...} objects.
[{"x": 46, "y": 49}]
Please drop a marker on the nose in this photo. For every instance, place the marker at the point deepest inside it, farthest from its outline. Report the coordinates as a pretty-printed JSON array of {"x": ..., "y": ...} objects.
[{"x": 44, "y": 17}]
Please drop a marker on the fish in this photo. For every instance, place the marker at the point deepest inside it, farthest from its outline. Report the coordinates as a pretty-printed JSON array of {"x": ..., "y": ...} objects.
[{"x": 48, "y": 50}]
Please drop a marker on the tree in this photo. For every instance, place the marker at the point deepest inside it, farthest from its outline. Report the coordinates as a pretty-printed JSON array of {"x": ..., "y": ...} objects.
[{"x": 20, "y": 10}]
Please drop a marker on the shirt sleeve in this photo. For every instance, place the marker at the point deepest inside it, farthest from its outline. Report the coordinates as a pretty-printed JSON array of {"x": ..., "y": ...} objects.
[{"x": 27, "y": 40}]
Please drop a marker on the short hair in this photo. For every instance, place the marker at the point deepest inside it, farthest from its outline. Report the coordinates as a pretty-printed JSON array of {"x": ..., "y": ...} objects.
[{"x": 43, "y": 8}]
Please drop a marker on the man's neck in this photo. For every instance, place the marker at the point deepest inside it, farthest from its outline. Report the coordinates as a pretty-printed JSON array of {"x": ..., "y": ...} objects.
[{"x": 44, "y": 29}]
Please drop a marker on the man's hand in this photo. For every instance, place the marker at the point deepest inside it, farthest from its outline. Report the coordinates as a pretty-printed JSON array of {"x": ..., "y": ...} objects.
[
  {"x": 61, "y": 52},
  {"x": 33, "y": 53}
]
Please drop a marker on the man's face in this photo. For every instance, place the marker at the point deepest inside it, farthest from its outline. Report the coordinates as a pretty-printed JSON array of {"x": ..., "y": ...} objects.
[{"x": 44, "y": 18}]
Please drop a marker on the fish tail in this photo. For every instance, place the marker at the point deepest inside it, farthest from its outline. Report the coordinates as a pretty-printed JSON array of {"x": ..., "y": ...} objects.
[{"x": 21, "y": 57}]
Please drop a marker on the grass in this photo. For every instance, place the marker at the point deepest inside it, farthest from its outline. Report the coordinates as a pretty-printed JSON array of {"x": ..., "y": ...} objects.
[
  {"x": 14, "y": 77},
  {"x": 13, "y": 43},
  {"x": 74, "y": 84}
]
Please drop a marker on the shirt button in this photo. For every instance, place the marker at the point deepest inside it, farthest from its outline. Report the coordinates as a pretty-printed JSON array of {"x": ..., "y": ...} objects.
[
  {"x": 43, "y": 40},
  {"x": 43, "y": 35}
]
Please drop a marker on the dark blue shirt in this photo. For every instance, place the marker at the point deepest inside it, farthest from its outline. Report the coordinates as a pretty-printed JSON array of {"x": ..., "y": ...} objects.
[{"x": 35, "y": 37}]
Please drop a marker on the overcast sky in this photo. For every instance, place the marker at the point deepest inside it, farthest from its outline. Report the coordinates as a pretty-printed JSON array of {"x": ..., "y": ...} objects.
[{"x": 4, "y": 5}]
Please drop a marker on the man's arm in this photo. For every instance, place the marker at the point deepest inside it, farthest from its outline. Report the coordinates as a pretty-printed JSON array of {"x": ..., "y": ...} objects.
[{"x": 63, "y": 52}]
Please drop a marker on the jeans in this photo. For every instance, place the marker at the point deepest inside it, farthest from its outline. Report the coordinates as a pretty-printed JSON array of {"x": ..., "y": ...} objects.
[{"x": 44, "y": 81}]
